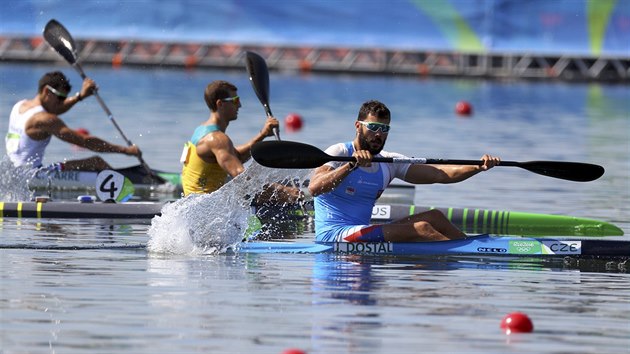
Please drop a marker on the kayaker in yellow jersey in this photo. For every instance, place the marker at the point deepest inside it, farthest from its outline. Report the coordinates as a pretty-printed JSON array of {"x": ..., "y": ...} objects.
[{"x": 210, "y": 156}]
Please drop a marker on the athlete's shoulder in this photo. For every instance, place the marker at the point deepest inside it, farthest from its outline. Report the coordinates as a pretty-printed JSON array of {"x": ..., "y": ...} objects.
[
  {"x": 339, "y": 149},
  {"x": 384, "y": 153}
]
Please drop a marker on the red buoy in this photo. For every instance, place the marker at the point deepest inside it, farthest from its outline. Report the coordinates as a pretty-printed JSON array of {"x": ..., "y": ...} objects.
[
  {"x": 516, "y": 322},
  {"x": 463, "y": 108},
  {"x": 82, "y": 131},
  {"x": 293, "y": 351},
  {"x": 293, "y": 122}
]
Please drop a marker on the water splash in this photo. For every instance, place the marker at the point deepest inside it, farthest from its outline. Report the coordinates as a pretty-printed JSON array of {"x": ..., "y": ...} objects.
[
  {"x": 212, "y": 223},
  {"x": 14, "y": 182}
]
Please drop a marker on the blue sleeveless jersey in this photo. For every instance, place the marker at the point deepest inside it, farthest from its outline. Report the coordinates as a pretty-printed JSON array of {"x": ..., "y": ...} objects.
[{"x": 351, "y": 202}]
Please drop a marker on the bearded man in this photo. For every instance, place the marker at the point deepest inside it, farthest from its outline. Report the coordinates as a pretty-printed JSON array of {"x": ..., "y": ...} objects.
[{"x": 345, "y": 192}]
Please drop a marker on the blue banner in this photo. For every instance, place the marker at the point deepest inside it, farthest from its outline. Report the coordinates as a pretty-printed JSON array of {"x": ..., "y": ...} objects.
[{"x": 580, "y": 27}]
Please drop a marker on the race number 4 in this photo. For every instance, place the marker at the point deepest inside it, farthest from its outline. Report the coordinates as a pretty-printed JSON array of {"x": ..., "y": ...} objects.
[{"x": 113, "y": 186}]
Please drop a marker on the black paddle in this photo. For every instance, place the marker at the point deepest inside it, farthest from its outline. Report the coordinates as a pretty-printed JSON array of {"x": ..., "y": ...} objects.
[
  {"x": 60, "y": 39},
  {"x": 259, "y": 77},
  {"x": 290, "y": 154}
]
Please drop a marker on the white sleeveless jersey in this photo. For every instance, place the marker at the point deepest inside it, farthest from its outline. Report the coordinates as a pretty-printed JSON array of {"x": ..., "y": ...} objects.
[{"x": 20, "y": 147}]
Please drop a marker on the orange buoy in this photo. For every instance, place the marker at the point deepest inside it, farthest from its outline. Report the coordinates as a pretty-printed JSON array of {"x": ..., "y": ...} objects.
[
  {"x": 423, "y": 69},
  {"x": 190, "y": 62},
  {"x": 36, "y": 42},
  {"x": 305, "y": 66},
  {"x": 117, "y": 60}
]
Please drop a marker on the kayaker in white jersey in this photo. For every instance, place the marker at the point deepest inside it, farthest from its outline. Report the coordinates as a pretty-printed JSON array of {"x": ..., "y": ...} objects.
[
  {"x": 346, "y": 192},
  {"x": 34, "y": 121}
]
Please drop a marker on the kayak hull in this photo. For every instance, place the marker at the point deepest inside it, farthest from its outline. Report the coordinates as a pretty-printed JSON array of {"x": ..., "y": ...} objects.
[
  {"x": 167, "y": 182},
  {"x": 476, "y": 245},
  {"x": 471, "y": 221},
  {"x": 76, "y": 210},
  {"x": 500, "y": 222}
]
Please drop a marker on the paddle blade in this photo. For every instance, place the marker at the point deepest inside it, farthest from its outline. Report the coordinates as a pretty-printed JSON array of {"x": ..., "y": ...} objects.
[
  {"x": 138, "y": 174},
  {"x": 572, "y": 171},
  {"x": 259, "y": 77},
  {"x": 60, "y": 39},
  {"x": 288, "y": 154}
]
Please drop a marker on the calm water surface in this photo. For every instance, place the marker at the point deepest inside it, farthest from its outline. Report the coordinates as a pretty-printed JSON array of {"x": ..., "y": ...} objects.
[{"x": 77, "y": 286}]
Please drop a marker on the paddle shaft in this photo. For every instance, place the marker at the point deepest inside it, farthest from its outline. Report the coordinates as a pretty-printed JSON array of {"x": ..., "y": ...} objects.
[
  {"x": 573, "y": 171},
  {"x": 103, "y": 105},
  {"x": 79, "y": 69},
  {"x": 276, "y": 131},
  {"x": 421, "y": 161}
]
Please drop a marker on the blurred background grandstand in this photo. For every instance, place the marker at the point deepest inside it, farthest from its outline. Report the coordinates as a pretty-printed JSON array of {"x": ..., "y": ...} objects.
[{"x": 573, "y": 40}]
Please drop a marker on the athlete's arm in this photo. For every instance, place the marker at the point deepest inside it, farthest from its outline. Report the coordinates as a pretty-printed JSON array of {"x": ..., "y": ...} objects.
[
  {"x": 245, "y": 151},
  {"x": 55, "y": 126},
  {"x": 427, "y": 174},
  {"x": 87, "y": 89},
  {"x": 217, "y": 147}
]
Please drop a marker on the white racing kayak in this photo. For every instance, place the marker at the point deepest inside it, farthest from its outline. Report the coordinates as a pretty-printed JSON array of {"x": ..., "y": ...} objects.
[
  {"x": 78, "y": 210},
  {"x": 159, "y": 181},
  {"x": 471, "y": 221}
]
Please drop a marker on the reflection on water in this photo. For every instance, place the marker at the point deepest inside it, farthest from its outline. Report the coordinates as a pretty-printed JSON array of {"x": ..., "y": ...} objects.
[
  {"x": 72, "y": 234},
  {"x": 371, "y": 294},
  {"x": 81, "y": 297}
]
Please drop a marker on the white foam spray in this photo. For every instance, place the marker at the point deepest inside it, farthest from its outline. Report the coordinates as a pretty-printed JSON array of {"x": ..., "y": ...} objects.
[
  {"x": 212, "y": 223},
  {"x": 14, "y": 181}
]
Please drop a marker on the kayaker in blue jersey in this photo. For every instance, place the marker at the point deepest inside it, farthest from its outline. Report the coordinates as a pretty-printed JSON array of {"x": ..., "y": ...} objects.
[
  {"x": 346, "y": 192},
  {"x": 33, "y": 122},
  {"x": 210, "y": 157}
]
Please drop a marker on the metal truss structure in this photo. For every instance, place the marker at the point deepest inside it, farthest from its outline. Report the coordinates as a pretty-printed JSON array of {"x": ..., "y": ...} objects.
[{"x": 142, "y": 53}]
